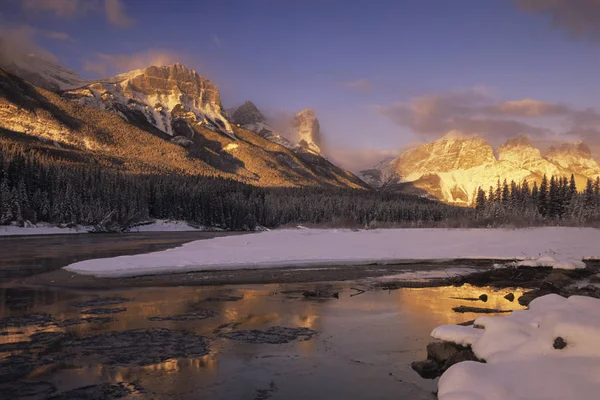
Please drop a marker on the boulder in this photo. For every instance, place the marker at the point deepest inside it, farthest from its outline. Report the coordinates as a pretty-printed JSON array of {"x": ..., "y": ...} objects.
[
  {"x": 427, "y": 369},
  {"x": 442, "y": 351}
]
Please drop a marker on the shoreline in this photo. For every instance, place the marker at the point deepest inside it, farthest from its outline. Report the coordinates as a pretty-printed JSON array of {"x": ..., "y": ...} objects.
[{"x": 65, "y": 279}]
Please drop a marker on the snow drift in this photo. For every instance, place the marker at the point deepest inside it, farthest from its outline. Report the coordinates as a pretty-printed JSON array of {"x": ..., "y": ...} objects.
[
  {"x": 525, "y": 359},
  {"x": 294, "y": 248}
]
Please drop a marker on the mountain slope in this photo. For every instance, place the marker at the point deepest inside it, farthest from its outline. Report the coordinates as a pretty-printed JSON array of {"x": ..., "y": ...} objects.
[
  {"x": 454, "y": 167},
  {"x": 109, "y": 123}
]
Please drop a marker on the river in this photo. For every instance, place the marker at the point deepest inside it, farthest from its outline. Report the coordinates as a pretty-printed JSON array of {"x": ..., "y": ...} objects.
[{"x": 253, "y": 341}]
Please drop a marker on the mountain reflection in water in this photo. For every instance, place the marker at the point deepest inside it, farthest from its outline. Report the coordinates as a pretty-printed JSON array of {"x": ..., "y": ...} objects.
[{"x": 363, "y": 349}]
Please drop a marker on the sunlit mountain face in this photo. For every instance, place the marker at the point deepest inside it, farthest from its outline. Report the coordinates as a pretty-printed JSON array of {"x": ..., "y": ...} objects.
[{"x": 454, "y": 167}]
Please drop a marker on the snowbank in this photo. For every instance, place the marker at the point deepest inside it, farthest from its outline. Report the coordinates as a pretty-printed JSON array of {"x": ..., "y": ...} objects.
[
  {"x": 307, "y": 247},
  {"x": 522, "y": 360},
  {"x": 163, "y": 225},
  {"x": 41, "y": 229}
]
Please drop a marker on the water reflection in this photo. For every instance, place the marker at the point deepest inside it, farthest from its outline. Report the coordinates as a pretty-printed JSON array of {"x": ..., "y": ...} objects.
[{"x": 362, "y": 340}]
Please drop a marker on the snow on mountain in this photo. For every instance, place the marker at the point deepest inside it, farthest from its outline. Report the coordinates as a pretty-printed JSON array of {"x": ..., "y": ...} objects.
[
  {"x": 455, "y": 166},
  {"x": 576, "y": 157},
  {"x": 164, "y": 97},
  {"x": 521, "y": 153},
  {"x": 39, "y": 70}
]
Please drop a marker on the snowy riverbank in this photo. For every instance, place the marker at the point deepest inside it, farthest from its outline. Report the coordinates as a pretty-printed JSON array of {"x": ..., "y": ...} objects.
[
  {"x": 159, "y": 225},
  {"x": 558, "y": 247},
  {"x": 550, "y": 351}
]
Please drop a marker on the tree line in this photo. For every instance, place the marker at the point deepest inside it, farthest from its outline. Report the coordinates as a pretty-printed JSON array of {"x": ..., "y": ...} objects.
[
  {"x": 556, "y": 200},
  {"x": 36, "y": 187}
]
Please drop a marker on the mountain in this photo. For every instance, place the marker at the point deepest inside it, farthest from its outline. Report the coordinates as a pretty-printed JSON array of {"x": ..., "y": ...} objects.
[
  {"x": 309, "y": 130},
  {"x": 454, "y": 167},
  {"x": 248, "y": 116},
  {"x": 154, "y": 120},
  {"x": 576, "y": 157},
  {"x": 161, "y": 97}
]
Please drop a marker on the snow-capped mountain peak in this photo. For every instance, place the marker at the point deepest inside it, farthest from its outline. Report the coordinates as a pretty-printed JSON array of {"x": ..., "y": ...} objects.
[
  {"x": 161, "y": 95},
  {"x": 454, "y": 167}
]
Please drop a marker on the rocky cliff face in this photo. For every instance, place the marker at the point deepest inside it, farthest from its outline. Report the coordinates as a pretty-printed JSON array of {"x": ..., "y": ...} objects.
[
  {"x": 168, "y": 98},
  {"x": 454, "y": 167},
  {"x": 576, "y": 157},
  {"x": 159, "y": 120},
  {"x": 248, "y": 116},
  {"x": 308, "y": 129}
]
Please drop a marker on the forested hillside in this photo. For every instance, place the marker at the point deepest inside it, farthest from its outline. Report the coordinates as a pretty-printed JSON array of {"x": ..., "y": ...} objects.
[{"x": 37, "y": 186}]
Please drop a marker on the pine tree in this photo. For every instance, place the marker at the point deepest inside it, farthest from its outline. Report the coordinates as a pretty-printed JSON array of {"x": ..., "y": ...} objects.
[
  {"x": 480, "y": 201},
  {"x": 542, "y": 197}
]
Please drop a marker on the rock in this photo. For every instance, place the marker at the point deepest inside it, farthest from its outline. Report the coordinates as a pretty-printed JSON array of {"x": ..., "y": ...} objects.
[
  {"x": 139, "y": 347},
  {"x": 442, "y": 351},
  {"x": 186, "y": 317},
  {"x": 100, "y": 301},
  {"x": 320, "y": 294},
  {"x": 273, "y": 335},
  {"x": 17, "y": 390},
  {"x": 464, "y": 309},
  {"x": 557, "y": 280},
  {"x": 464, "y": 355},
  {"x": 103, "y": 311},
  {"x": 528, "y": 297},
  {"x": 104, "y": 391},
  {"x": 559, "y": 343},
  {"x": 224, "y": 298},
  {"x": 510, "y": 297},
  {"x": 427, "y": 369},
  {"x": 467, "y": 323},
  {"x": 483, "y": 297},
  {"x": 25, "y": 320}
]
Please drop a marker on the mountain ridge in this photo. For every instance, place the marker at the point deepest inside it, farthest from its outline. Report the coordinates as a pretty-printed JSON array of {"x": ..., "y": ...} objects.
[
  {"x": 161, "y": 119},
  {"x": 453, "y": 167}
]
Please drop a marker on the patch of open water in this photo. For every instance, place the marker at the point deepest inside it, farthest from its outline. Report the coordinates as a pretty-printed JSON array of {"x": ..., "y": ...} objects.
[{"x": 228, "y": 342}]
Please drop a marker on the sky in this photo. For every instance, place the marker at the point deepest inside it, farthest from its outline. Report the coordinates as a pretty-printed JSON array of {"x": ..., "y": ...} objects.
[{"x": 382, "y": 75}]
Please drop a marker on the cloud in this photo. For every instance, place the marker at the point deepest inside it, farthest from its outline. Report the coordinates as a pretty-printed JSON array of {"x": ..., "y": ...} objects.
[
  {"x": 60, "y": 8},
  {"x": 115, "y": 13},
  {"x": 578, "y": 17},
  {"x": 109, "y": 64},
  {"x": 474, "y": 111},
  {"x": 361, "y": 85},
  {"x": 114, "y": 10},
  {"x": 17, "y": 42},
  {"x": 356, "y": 160},
  {"x": 529, "y": 108},
  {"x": 59, "y": 36}
]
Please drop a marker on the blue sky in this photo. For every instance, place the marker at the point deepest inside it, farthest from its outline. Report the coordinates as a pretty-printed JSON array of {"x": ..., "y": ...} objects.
[{"x": 381, "y": 74}]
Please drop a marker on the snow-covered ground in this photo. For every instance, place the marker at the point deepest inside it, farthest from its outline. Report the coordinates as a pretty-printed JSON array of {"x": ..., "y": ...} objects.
[
  {"x": 307, "y": 247},
  {"x": 162, "y": 225},
  {"x": 522, "y": 361},
  {"x": 40, "y": 229},
  {"x": 159, "y": 225}
]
